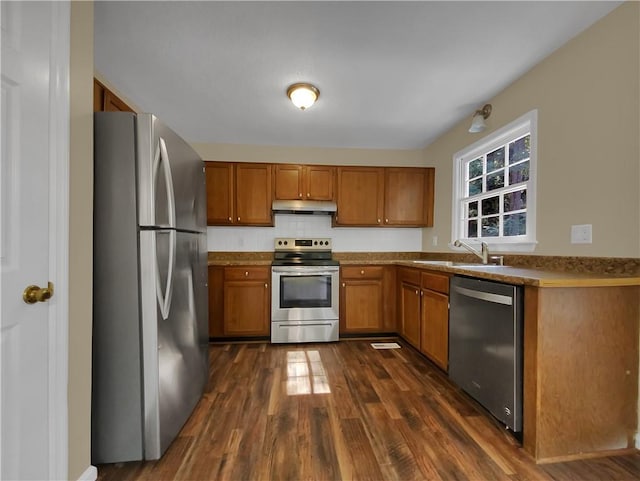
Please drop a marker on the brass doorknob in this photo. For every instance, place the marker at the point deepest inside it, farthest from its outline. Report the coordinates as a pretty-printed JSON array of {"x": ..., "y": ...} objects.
[{"x": 33, "y": 294}]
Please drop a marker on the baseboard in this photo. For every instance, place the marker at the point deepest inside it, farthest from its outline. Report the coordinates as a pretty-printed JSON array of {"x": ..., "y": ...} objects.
[{"x": 90, "y": 474}]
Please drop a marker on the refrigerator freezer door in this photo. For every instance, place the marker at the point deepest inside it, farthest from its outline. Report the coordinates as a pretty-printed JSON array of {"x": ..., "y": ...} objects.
[
  {"x": 116, "y": 405},
  {"x": 171, "y": 178},
  {"x": 174, "y": 349}
]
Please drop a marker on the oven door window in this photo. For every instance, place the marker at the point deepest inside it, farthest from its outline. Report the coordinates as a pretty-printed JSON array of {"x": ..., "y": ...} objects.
[{"x": 305, "y": 291}]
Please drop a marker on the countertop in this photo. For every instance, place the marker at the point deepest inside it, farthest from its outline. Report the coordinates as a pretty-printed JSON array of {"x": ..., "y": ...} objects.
[
  {"x": 518, "y": 275},
  {"x": 532, "y": 277}
]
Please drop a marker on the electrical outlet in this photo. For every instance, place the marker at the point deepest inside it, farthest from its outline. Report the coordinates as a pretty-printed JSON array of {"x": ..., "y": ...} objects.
[
  {"x": 434, "y": 240},
  {"x": 581, "y": 234}
]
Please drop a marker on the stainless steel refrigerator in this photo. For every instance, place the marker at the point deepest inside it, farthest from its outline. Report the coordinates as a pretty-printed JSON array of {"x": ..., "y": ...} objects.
[{"x": 150, "y": 334}]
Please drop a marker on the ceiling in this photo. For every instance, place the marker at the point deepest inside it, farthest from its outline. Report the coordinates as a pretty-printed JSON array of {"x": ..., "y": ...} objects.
[{"x": 392, "y": 75}]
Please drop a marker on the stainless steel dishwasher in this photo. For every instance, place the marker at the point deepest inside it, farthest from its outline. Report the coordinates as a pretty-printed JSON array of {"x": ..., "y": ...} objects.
[{"x": 485, "y": 345}]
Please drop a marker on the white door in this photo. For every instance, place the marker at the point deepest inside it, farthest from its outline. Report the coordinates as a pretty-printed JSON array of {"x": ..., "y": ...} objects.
[{"x": 33, "y": 239}]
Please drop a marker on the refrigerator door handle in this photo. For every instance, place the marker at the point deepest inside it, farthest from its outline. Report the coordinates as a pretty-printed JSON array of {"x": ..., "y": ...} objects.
[
  {"x": 164, "y": 298},
  {"x": 162, "y": 160}
]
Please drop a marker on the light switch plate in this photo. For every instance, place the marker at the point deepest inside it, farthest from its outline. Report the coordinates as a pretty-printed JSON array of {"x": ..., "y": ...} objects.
[{"x": 581, "y": 234}]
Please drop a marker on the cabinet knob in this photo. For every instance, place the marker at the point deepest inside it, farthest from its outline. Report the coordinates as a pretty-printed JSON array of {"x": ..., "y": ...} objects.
[
  {"x": 266, "y": 285},
  {"x": 387, "y": 221},
  {"x": 229, "y": 219},
  {"x": 378, "y": 221},
  {"x": 300, "y": 194},
  {"x": 416, "y": 292},
  {"x": 246, "y": 273},
  {"x": 238, "y": 219},
  {"x": 308, "y": 194},
  {"x": 344, "y": 285},
  {"x": 362, "y": 272}
]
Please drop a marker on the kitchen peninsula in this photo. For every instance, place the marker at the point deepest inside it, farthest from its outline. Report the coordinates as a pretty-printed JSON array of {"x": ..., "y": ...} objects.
[{"x": 580, "y": 341}]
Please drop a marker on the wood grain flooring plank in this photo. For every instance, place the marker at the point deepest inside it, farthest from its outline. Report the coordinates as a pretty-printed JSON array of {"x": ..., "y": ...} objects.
[
  {"x": 427, "y": 448},
  {"x": 365, "y": 465},
  {"x": 479, "y": 439},
  {"x": 358, "y": 414},
  {"x": 389, "y": 446},
  {"x": 345, "y": 462}
]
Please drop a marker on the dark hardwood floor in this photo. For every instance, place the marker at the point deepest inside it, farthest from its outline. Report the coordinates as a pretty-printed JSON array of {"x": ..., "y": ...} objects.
[{"x": 345, "y": 411}]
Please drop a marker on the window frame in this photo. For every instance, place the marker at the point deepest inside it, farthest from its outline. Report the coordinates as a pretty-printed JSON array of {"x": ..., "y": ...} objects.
[{"x": 527, "y": 123}]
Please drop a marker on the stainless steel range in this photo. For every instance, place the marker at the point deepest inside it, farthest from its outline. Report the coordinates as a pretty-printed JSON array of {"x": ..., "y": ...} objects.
[{"x": 304, "y": 296}]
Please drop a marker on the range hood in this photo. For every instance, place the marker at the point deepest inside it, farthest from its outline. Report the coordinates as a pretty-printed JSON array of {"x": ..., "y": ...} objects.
[{"x": 326, "y": 207}]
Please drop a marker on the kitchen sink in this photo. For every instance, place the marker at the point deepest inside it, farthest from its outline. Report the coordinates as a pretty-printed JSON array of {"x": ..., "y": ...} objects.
[
  {"x": 462, "y": 265},
  {"x": 478, "y": 266},
  {"x": 437, "y": 263}
]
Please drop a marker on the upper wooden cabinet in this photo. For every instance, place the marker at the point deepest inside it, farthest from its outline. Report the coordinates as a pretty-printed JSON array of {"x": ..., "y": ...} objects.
[
  {"x": 104, "y": 100},
  {"x": 254, "y": 194},
  {"x": 303, "y": 182},
  {"x": 243, "y": 193},
  {"x": 220, "y": 193},
  {"x": 408, "y": 196},
  {"x": 239, "y": 194},
  {"x": 360, "y": 196},
  {"x": 385, "y": 196}
]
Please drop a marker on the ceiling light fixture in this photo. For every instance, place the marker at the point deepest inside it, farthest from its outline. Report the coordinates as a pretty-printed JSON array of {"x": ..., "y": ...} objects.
[
  {"x": 477, "y": 124},
  {"x": 303, "y": 95}
]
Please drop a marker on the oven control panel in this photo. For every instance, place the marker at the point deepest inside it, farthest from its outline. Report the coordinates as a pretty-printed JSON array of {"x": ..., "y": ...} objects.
[{"x": 308, "y": 244}]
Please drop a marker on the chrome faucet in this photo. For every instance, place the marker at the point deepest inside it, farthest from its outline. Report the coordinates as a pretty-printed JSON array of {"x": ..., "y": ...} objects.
[{"x": 484, "y": 254}]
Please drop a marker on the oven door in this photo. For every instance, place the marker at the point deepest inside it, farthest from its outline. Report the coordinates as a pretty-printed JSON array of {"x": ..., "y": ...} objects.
[{"x": 304, "y": 293}]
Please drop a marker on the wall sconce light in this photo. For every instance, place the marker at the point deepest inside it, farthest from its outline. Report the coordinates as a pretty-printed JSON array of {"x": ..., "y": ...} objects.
[
  {"x": 303, "y": 95},
  {"x": 477, "y": 124}
]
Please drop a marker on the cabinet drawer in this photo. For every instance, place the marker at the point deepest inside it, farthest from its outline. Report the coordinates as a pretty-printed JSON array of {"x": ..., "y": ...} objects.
[
  {"x": 246, "y": 272},
  {"x": 362, "y": 272},
  {"x": 409, "y": 276},
  {"x": 435, "y": 282}
]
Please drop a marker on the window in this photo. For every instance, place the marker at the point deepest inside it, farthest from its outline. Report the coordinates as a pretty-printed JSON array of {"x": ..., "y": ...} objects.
[{"x": 494, "y": 188}]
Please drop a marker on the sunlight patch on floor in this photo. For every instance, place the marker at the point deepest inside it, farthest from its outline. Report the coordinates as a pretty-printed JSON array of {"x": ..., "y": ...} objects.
[{"x": 306, "y": 374}]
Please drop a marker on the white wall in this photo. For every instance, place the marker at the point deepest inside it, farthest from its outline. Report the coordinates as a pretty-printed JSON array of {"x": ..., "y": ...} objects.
[{"x": 260, "y": 239}]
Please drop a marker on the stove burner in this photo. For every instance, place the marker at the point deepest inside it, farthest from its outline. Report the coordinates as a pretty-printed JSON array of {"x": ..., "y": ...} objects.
[{"x": 303, "y": 252}]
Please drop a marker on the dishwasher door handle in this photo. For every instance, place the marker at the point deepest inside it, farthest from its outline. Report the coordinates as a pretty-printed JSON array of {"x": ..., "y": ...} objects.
[{"x": 485, "y": 296}]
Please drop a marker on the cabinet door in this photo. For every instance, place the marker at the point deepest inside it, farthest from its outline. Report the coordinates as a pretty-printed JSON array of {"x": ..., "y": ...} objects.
[
  {"x": 216, "y": 301},
  {"x": 318, "y": 182},
  {"x": 410, "y": 314},
  {"x": 435, "y": 327},
  {"x": 104, "y": 100},
  {"x": 408, "y": 197},
  {"x": 360, "y": 196},
  {"x": 254, "y": 195},
  {"x": 220, "y": 193},
  {"x": 361, "y": 305},
  {"x": 246, "y": 308},
  {"x": 288, "y": 180}
]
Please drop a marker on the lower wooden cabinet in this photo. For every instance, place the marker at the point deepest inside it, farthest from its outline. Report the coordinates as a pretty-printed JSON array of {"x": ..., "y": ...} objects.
[
  {"x": 434, "y": 337},
  {"x": 364, "y": 299},
  {"x": 434, "y": 317},
  {"x": 409, "y": 305},
  {"x": 424, "y": 313},
  {"x": 239, "y": 301}
]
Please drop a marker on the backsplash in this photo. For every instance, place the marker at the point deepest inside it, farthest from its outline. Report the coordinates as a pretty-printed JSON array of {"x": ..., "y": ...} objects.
[{"x": 345, "y": 239}]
